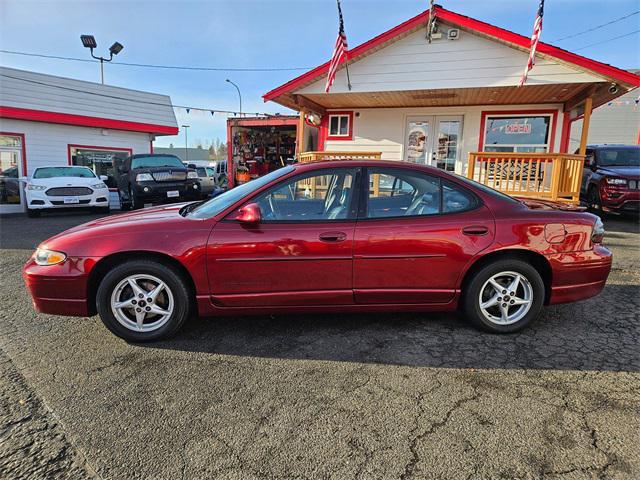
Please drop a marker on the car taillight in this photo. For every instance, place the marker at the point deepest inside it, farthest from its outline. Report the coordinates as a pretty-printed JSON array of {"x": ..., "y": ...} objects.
[{"x": 597, "y": 234}]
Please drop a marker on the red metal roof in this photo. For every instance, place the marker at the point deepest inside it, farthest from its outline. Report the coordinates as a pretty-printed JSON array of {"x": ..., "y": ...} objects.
[{"x": 603, "y": 69}]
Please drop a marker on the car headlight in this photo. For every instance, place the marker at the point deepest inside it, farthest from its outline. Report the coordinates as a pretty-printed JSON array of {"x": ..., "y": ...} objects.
[
  {"x": 98, "y": 186},
  {"x": 144, "y": 177},
  {"x": 615, "y": 181},
  {"x": 192, "y": 174},
  {"x": 31, "y": 186},
  {"x": 48, "y": 257}
]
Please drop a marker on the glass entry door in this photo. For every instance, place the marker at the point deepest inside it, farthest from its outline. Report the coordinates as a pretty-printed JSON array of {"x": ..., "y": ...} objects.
[
  {"x": 434, "y": 140},
  {"x": 11, "y": 192}
]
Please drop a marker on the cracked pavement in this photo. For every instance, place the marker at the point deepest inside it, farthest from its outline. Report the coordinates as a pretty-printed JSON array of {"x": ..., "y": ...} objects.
[{"x": 322, "y": 396}]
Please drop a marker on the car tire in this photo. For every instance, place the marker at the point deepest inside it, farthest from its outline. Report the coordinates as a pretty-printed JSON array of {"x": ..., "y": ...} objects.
[
  {"x": 33, "y": 213},
  {"x": 593, "y": 200},
  {"x": 140, "y": 322},
  {"x": 480, "y": 292},
  {"x": 136, "y": 203},
  {"x": 124, "y": 205}
]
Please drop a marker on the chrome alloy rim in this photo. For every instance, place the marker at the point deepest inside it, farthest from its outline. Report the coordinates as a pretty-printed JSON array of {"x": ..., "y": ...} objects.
[
  {"x": 505, "y": 298},
  {"x": 142, "y": 303}
]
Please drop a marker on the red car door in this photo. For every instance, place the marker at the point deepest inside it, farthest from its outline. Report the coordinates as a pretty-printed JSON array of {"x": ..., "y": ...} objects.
[
  {"x": 414, "y": 236},
  {"x": 300, "y": 253}
]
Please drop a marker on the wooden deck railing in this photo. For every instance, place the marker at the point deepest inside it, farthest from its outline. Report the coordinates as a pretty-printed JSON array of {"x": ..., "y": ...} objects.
[
  {"x": 306, "y": 157},
  {"x": 553, "y": 176}
]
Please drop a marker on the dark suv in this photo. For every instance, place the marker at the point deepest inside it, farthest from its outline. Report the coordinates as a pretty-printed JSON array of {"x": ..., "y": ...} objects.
[
  {"x": 611, "y": 178},
  {"x": 150, "y": 178}
]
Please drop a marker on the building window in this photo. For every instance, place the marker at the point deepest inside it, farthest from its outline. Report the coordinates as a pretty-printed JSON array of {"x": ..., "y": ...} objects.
[
  {"x": 10, "y": 169},
  {"x": 340, "y": 126},
  {"x": 522, "y": 134},
  {"x": 103, "y": 161}
]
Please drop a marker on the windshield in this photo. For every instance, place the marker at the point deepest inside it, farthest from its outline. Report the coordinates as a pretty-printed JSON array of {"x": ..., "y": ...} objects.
[
  {"x": 619, "y": 157},
  {"x": 53, "y": 172},
  {"x": 223, "y": 201},
  {"x": 156, "y": 161}
]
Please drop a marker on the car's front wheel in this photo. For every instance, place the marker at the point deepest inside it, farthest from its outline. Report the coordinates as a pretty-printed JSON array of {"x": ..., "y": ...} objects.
[
  {"x": 143, "y": 301},
  {"x": 504, "y": 296}
]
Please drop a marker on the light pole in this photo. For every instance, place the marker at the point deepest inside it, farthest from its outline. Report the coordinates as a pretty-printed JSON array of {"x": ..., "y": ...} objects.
[
  {"x": 186, "y": 143},
  {"x": 89, "y": 41},
  {"x": 239, "y": 94}
]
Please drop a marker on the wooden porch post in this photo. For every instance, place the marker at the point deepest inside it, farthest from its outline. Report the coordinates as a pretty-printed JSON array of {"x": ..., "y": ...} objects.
[
  {"x": 300, "y": 133},
  {"x": 586, "y": 119}
]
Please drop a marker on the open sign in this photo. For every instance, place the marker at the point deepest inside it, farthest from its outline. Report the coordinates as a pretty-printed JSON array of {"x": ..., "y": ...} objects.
[{"x": 517, "y": 128}]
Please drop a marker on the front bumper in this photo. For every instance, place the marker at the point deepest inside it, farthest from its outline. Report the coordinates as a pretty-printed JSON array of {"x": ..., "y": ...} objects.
[
  {"x": 59, "y": 289},
  {"x": 156, "y": 192},
  {"x": 620, "y": 200},
  {"x": 39, "y": 200},
  {"x": 579, "y": 275}
]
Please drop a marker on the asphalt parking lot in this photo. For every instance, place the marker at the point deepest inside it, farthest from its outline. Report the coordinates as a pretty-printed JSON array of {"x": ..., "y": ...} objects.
[{"x": 325, "y": 396}]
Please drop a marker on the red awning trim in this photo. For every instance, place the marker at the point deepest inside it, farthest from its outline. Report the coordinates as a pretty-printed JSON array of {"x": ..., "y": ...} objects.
[
  {"x": 462, "y": 21},
  {"x": 84, "y": 121}
]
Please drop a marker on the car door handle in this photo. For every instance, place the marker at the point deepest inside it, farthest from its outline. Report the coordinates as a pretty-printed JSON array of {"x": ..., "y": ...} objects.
[
  {"x": 333, "y": 236},
  {"x": 476, "y": 230}
]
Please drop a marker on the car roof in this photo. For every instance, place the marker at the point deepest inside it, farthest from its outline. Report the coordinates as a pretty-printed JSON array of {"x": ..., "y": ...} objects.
[{"x": 321, "y": 164}]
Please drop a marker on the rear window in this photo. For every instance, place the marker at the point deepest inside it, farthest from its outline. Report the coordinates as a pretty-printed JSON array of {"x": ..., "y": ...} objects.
[
  {"x": 156, "y": 161},
  {"x": 53, "y": 172}
]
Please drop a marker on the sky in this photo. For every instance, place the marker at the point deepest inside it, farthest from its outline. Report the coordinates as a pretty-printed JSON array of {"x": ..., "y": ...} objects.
[{"x": 295, "y": 34}]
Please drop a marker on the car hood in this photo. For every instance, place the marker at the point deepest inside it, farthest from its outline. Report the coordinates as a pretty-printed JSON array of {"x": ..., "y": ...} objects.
[
  {"x": 622, "y": 171},
  {"x": 539, "y": 204},
  {"x": 153, "y": 224},
  {"x": 65, "y": 181}
]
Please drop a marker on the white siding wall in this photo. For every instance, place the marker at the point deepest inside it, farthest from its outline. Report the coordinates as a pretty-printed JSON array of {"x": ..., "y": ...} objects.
[
  {"x": 37, "y": 91},
  {"x": 471, "y": 61},
  {"x": 618, "y": 123},
  {"x": 383, "y": 129},
  {"x": 47, "y": 144}
]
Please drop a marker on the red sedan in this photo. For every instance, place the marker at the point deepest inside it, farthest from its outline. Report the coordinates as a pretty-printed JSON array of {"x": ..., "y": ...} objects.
[{"x": 344, "y": 236}]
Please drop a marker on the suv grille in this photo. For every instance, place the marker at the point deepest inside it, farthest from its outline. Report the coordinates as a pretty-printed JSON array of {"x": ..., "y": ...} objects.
[
  {"x": 65, "y": 191},
  {"x": 169, "y": 176}
]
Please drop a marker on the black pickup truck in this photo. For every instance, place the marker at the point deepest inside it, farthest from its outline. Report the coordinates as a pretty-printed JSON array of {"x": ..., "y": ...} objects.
[{"x": 150, "y": 178}]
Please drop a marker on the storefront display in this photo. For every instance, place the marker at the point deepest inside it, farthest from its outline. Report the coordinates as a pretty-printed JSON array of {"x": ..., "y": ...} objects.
[{"x": 259, "y": 145}]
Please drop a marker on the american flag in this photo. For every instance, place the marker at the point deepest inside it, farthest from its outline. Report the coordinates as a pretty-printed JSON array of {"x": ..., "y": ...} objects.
[
  {"x": 339, "y": 52},
  {"x": 535, "y": 38}
]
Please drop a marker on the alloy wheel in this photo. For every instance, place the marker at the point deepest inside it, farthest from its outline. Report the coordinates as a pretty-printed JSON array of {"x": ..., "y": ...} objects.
[
  {"x": 505, "y": 298},
  {"x": 142, "y": 303}
]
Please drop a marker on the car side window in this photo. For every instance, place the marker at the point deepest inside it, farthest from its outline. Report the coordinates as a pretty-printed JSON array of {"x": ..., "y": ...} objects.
[
  {"x": 201, "y": 172},
  {"x": 318, "y": 196},
  {"x": 402, "y": 193},
  {"x": 405, "y": 193},
  {"x": 455, "y": 199}
]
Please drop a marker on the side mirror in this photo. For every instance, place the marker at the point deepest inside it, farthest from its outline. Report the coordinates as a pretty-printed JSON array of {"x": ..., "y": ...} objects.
[
  {"x": 104, "y": 178},
  {"x": 249, "y": 214},
  {"x": 23, "y": 179}
]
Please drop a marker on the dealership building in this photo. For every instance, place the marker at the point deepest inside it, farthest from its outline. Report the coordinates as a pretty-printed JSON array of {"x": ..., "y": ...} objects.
[
  {"x": 455, "y": 99},
  {"x": 47, "y": 120}
]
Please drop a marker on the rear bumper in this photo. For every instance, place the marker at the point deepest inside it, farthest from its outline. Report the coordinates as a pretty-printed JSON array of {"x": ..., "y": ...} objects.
[
  {"x": 59, "y": 289},
  {"x": 579, "y": 275}
]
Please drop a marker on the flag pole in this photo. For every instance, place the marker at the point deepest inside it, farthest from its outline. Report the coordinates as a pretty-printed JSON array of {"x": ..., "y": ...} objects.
[{"x": 346, "y": 53}]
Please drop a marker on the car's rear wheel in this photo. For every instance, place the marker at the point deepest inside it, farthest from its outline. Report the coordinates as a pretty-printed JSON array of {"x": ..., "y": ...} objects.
[
  {"x": 504, "y": 296},
  {"x": 143, "y": 301}
]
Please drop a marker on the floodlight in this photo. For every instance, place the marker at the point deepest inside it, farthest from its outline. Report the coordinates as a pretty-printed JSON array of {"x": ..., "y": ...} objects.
[{"x": 88, "y": 41}]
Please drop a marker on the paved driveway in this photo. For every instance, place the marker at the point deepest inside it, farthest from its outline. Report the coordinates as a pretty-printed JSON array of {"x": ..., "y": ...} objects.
[{"x": 324, "y": 396}]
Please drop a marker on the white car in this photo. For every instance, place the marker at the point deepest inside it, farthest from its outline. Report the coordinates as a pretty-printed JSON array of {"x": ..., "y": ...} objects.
[{"x": 65, "y": 187}]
